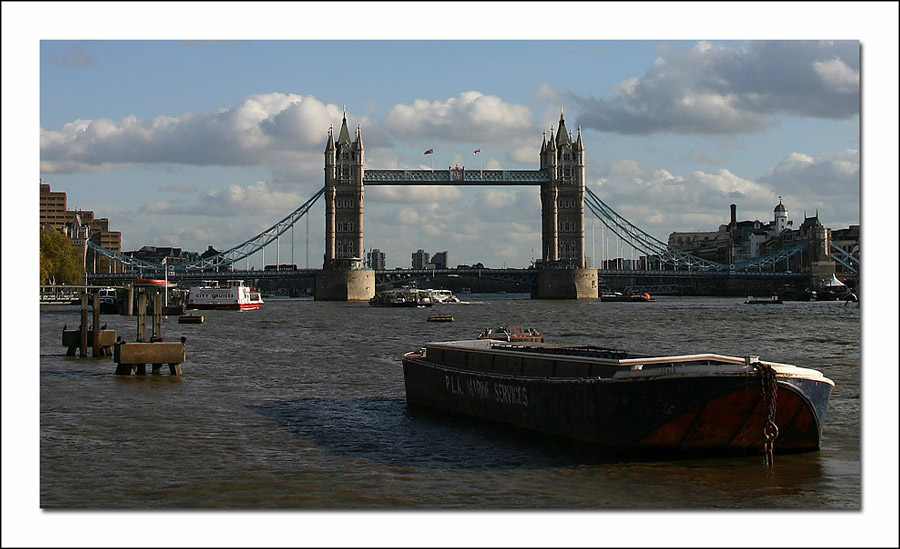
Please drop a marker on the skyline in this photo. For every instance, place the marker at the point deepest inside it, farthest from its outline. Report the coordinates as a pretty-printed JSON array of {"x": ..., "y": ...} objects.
[
  {"x": 26, "y": 24},
  {"x": 196, "y": 144}
]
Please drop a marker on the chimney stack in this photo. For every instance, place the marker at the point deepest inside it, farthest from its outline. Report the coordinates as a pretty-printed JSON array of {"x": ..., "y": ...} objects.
[{"x": 733, "y": 215}]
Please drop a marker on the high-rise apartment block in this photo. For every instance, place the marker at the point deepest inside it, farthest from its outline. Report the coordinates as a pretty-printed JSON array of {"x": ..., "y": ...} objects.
[
  {"x": 439, "y": 260},
  {"x": 375, "y": 259},
  {"x": 419, "y": 259},
  {"x": 79, "y": 225}
]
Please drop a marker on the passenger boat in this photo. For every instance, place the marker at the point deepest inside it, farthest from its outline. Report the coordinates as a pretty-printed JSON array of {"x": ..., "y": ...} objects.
[
  {"x": 627, "y": 297},
  {"x": 229, "y": 295},
  {"x": 512, "y": 333},
  {"x": 774, "y": 300},
  {"x": 402, "y": 297},
  {"x": 621, "y": 403},
  {"x": 443, "y": 297}
]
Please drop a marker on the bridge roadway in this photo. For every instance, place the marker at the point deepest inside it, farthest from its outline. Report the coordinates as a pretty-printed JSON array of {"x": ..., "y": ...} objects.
[
  {"x": 455, "y": 176},
  {"x": 397, "y": 275}
]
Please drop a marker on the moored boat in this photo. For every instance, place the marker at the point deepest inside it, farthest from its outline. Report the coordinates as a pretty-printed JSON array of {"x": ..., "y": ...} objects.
[
  {"x": 512, "y": 334},
  {"x": 402, "y": 297},
  {"x": 440, "y": 318},
  {"x": 627, "y": 297},
  {"x": 622, "y": 403},
  {"x": 443, "y": 297},
  {"x": 109, "y": 301},
  {"x": 774, "y": 300},
  {"x": 190, "y": 318},
  {"x": 230, "y": 295}
]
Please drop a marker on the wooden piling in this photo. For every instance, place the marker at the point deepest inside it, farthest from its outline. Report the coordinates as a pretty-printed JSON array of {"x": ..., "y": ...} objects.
[
  {"x": 84, "y": 325},
  {"x": 128, "y": 305},
  {"x": 142, "y": 318},
  {"x": 157, "y": 317},
  {"x": 95, "y": 339}
]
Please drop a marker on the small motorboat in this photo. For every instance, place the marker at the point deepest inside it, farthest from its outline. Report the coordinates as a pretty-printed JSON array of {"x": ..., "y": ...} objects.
[
  {"x": 512, "y": 334},
  {"x": 190, "y": 318},
  {"x": 440, "y": 318},
  {"x": 627, "y": 297},
  {"x": 109, "y": 302},
  {"x": 774, "y": 300}
]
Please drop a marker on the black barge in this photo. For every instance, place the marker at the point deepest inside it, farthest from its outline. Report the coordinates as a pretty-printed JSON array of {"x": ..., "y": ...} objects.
[{"x": 619, "y": 402}]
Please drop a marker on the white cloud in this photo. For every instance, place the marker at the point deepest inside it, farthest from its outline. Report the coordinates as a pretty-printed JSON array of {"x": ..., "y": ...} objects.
[
  {"x": 412, "y": 194},
  {"x": 469, "y": 117},
  {"x": 717, "y": 89},
  {"x": 837, "y": 76},
  {"x": 508, "y": 205},
  {"x": 276, "y": 129},
  {"x": 831, "y": 176},
  {"x": 660, "y": 202},
  {"x": 233, "y": 200}
]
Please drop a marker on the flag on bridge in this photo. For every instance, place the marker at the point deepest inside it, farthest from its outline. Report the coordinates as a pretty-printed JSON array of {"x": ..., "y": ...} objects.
[
  {"x": 476, "y": 151},
  {"x": 429, "y": 151}
]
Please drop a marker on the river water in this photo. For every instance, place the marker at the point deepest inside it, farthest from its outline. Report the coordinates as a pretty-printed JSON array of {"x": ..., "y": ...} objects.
[{"x": 301, "y": 405}]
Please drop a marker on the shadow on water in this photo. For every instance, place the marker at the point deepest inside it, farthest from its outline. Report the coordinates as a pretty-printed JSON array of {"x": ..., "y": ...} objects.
[
  {"x": 72, "y": 373},
  {"x": 384, "y": 431}
]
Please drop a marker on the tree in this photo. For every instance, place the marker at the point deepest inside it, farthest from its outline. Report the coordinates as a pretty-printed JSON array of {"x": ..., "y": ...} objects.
[{"x": 61, "y": 262}]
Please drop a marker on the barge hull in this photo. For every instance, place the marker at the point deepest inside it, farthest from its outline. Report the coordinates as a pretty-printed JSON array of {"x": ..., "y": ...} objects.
[{"x": 679, "y": 415}]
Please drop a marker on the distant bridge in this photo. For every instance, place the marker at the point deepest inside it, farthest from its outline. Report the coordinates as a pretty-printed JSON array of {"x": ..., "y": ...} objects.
[
  {"x": 403, "y": 276},
  {"x": 667, "y": 258}
]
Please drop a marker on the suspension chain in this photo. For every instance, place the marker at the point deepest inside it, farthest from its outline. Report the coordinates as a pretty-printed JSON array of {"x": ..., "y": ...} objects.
[{"x": 769, "y": 393}]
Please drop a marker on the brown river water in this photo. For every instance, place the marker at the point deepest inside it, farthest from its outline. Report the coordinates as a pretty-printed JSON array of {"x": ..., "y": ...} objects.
[{"x": 301, "y": 405}]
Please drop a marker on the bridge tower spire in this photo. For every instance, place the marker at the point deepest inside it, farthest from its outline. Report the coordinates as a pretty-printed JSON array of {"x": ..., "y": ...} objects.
[
  {"x": 342, "y": 277},
  {"x": 562, "y": 198},
  {"x": 563, "y": 274},
  {"x": 549, "y": 204}
]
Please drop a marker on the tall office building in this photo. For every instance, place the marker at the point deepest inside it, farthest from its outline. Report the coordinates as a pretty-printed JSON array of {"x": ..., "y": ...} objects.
[{"x": 419, "y": 259}]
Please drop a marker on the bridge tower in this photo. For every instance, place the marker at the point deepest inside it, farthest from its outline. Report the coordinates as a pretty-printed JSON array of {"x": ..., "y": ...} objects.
[
  {"x": 343, "y": 277},
  {"x": 562, "y": 273}
]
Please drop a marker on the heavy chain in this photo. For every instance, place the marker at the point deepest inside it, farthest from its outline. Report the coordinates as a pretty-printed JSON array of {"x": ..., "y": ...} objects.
[{"x": 769, "y": 393}]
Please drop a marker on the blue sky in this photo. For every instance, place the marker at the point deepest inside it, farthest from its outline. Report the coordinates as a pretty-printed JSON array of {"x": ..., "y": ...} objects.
[
  {"x": 197, "y": 143},
  {"x": 183, "y": 127}
]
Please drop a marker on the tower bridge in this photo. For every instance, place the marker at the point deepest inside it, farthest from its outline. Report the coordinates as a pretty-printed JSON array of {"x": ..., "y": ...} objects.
[{"x": 560, "y": 272}]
